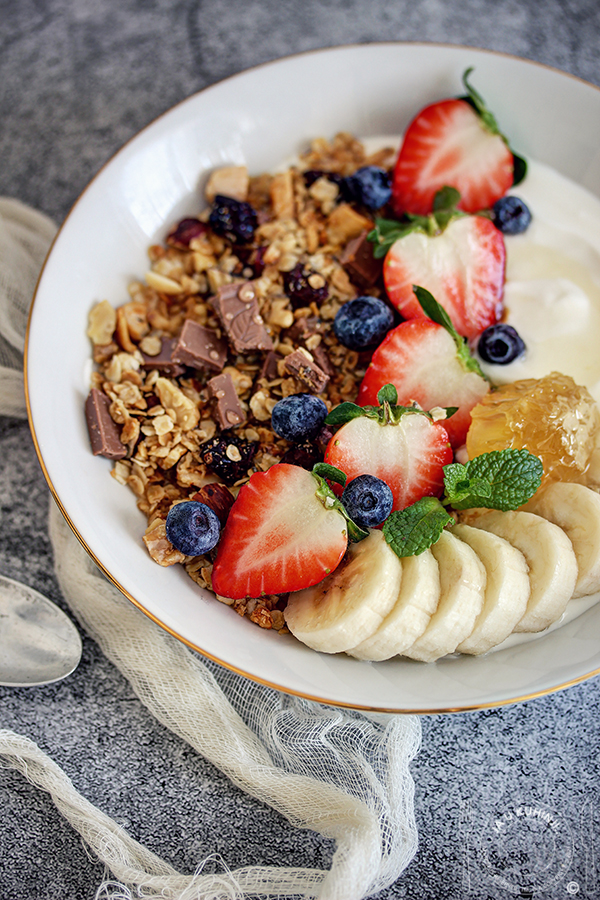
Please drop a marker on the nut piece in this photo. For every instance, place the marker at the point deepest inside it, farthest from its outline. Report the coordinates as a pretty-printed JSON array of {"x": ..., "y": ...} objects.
[
  {"x": 174, "y": 401},
  {"x": 345, "y": 223},
  {"x": 102, "y": 323},
  {"x": 218, "y": 497},
  {"x": 282, "y": 195},
  {"x": 231, "y": 181}
]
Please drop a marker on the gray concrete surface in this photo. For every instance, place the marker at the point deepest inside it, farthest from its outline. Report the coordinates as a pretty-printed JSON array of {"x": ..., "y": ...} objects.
[{"x": 77, "y": 79}]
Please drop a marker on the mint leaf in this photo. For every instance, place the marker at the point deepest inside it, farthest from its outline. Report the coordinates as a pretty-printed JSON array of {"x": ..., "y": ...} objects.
[
  {"x": 519, "y": 168},
  {"x": 324, "y": 493},
  {"x": 387, "y": 394},
  {"x": 344, "y": 413},
  {"x": 502, "y": 479},
  {"x": 387, "y": 231},
  {"x": 436, "y": 312},
  {"x": 413, "y": 530}
]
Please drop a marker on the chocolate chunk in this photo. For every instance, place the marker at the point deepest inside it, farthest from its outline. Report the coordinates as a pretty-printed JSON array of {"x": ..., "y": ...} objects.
[
  {"x": 162, "y": 361},
  {"x": 229, "y": 409},
  {"x": 269, "y": 370},
  {"x": 199, "y": 347},
  {"x": 360, "y": 264},
  {"x": 319, "y": 354},
  {"x": 302, "y": 366},
  {"x": 303, "y": 328},
  {"x": 237, "y": 307},
  {"x": 103, "y": 431}
]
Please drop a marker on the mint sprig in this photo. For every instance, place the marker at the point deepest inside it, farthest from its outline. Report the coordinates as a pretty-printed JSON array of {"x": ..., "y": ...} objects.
[
  {"x": 436, "y": 312},
  {"x": 323, "y": 472},
  {"x": 501, "y": 479},
  {"x": 413, "y": 530}
]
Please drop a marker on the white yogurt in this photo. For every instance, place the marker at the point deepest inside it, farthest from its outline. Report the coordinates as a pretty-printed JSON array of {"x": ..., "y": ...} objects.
[{"x": 552, "y": 291}]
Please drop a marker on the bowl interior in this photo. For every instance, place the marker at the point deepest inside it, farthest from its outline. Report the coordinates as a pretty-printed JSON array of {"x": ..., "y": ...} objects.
[{"x": 260, "y": 118}]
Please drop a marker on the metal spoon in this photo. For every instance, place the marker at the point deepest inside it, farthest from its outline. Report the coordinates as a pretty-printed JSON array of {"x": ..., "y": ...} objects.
[{"x": 38, "y": 643}]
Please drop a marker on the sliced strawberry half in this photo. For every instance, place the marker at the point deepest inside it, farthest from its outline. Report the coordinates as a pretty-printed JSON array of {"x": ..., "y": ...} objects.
[
  {"x": 279, "y": 536},
  {"x": 449, "y": 143},
  {"x": 408, "y": 452},
  {"x": 420, "y": 359},
  {"x": 463, "y": 267}
]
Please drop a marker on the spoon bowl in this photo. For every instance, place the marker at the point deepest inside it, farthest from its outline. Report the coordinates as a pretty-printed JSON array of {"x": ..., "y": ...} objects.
[{"x": 38, "y": 643}]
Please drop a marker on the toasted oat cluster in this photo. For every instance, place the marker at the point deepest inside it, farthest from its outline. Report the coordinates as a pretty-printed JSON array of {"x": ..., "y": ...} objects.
[{"x": 235, "y": 312}]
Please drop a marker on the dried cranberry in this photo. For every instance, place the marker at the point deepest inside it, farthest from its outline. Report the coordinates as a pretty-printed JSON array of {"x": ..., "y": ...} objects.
[
  {"x": 252, "y": 257},
  {"x": 312, "y": 175},
  {"x": 220, "y": 454},
  {"x": 304, "y": 455},
  {"x": 233, "y": 219},
  {"x": 184, "y": 232},
  {"x": 298, "y": 288}
]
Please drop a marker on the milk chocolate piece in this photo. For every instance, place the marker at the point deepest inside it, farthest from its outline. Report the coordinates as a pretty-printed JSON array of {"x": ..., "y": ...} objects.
[
  {"x": 237, "y": 307},
  {"x": 302, "y": 366},
  {"x": 269, "y": 369},
  {"x": 199, "y": 347},
  {"x": 319, "y": 354},
  {"x": 361, "y": 266},
  {"x": 162, "y": 361},
  {"x": 103, "y": 431},
  {"x": 229, "y": 409}
]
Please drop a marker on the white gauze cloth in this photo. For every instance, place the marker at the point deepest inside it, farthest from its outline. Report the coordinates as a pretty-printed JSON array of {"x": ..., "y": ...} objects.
[{"x": 338, "y": 772}]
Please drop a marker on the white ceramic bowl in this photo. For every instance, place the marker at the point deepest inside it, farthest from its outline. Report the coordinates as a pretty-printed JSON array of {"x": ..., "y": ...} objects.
[{"x": 260, "y": 118}]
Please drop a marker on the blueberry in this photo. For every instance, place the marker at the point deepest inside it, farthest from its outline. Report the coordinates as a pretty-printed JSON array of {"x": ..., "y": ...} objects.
[
  {"x": 233, "y": 219},
  {"x": 511, "y": 215},
  {"x": 368, "y": 500},
  {"x": 192, "y": 527},
  {"x": 363, "y": 322},
  {"x": 500, "y": 344},
  {"x": 369, "y": 186},
  {"x": 299, "y": 417}
]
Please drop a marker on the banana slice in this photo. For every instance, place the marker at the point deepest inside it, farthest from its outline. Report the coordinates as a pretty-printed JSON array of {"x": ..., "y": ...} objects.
[
  {"x": 351, "y": 603},
  {"x": 576, "y": 509},
  {"x": 549, "y": 555},
  {"x": 462, "y": 586},
  {"x": 506, "y": 591},
  {"x": 417, "y": 600}
]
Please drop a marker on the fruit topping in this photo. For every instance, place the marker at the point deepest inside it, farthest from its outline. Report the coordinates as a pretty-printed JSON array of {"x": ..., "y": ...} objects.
[
  {"x": 511, "y": 215},
  {"x": 453, "y": 142},
  {"x": 233, "y": 219},
  {"x": 460, "y": 259},
  {"x": 401, "y": 445},
  {"x": 369, "y": 186},
  {"x": 368, "y": 501},
  {"x": 430, "y": 364},
  {"x": 363, "y": 322},
  {"x": 192, "y": 527},
  {"x": 285, "y": 532},
  {"x": 500, "y": 344},
  {"x": 228, "y": 456},
  {"x": 299, "y": 417},
  {"x": 304, "y": 287},
  {"x": 552, "y": 417},
  {"x": 184, "y": 232}
]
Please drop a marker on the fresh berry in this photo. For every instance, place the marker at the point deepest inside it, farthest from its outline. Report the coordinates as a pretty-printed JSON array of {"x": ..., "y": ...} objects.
[
  {"x": 363, "y": 322},
  {"x": 299, "y": 417},
  {"x": 463, "y": 267},
  {"x": 370, "y": 186},
  {"x": 511, "y": 215},
  {"x": 228, "y": 456},
  {"x": 184, "y": 232},
  {"x": 449, "y": 144},
  {"x": 279, "y": 536},
  {"x": 368, "y": 500},
  {"x": 304, "y": 287},
  {"x": 233, "y": 219},
  {"x": 419, "y": 358},
  {"x": 500, "y": 344},
  {"x": 409, "y": 456},
  {"x": 192, "y": 527}
]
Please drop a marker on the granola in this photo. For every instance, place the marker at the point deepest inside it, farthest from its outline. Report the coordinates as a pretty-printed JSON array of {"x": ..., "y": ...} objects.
[{"x": 193, "y": 410}]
